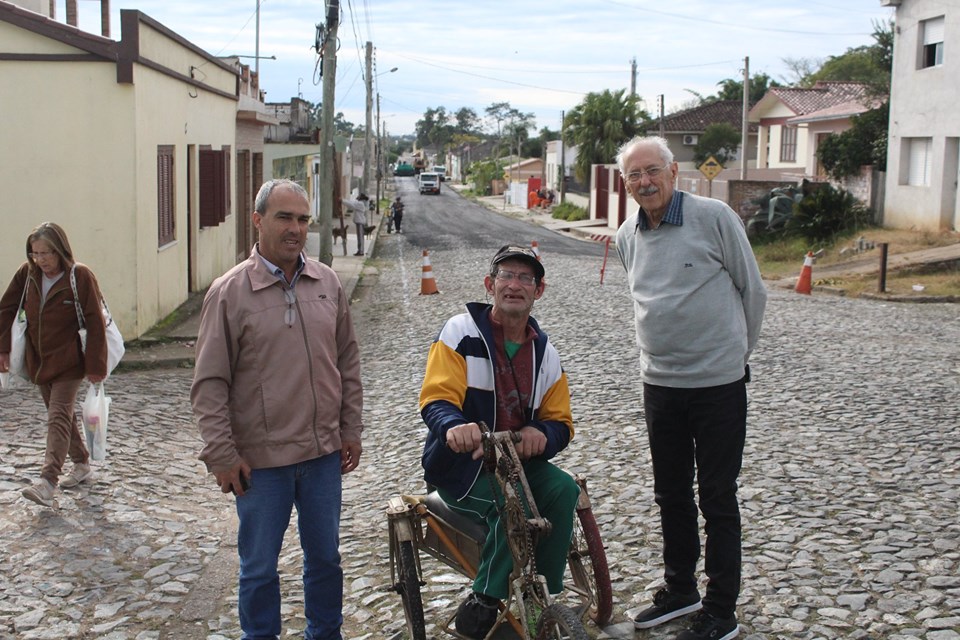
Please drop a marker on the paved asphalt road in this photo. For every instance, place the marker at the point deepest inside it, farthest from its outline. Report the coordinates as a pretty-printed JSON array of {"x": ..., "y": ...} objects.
[{"x": 849, "y": 492}]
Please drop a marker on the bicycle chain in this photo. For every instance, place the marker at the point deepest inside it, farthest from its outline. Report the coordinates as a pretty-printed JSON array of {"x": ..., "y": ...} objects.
[{"x": 513, "y": 478}]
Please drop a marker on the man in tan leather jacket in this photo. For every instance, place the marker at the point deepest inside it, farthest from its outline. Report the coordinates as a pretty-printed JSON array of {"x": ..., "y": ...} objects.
[{"x": 278, "y": 400}]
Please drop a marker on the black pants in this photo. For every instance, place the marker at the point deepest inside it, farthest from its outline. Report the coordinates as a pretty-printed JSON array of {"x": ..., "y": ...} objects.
[
  {"x": 699, "y": 431},
  {"x": 397, "y": 219}
]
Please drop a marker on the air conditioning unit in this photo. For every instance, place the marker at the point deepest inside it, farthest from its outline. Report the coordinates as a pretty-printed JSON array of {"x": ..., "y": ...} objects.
[{"x": 689, "y": 140}]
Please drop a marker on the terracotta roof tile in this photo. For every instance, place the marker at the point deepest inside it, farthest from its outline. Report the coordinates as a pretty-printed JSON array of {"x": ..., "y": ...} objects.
[
  {"x": 822, "y": 95},
  {"x": 697, "y": 119}
]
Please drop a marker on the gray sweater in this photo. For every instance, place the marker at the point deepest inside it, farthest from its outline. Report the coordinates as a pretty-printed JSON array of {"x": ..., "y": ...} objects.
[{"x": 697, "y": 294}]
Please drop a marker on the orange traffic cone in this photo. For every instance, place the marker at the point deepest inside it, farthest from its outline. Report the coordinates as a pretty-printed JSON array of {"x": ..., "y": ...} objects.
[
  {"x": 428, "y": 285},
  {"x": 806, "y": 275},
  {"x": 536, "y": 249}
]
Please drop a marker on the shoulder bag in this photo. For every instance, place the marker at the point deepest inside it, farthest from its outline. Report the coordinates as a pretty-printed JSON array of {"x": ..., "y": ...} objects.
[
  {"x": 115, "y": 348},
  {"x": 17, "y": 373}
]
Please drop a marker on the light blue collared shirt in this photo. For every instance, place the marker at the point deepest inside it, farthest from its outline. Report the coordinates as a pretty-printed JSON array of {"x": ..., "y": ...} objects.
[{"x": 277, "y": 271}]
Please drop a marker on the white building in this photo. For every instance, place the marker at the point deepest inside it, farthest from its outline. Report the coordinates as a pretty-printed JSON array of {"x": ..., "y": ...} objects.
[{"x": 923, "y": 153}]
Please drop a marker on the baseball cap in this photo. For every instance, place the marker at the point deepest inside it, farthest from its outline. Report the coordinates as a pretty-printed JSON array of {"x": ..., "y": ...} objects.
[{"x": 513, "y": 252}]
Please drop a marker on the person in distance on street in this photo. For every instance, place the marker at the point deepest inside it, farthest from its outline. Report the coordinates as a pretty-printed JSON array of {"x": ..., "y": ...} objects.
[
  {"x": 359, "y": 208},
  {"x": 278, "y": 402},
  {"x": 699, "y": 303},
  {"x": 397, "y": 209},
  {"x": 54, "y": 358},
  {"x": 494, "y": 364}
]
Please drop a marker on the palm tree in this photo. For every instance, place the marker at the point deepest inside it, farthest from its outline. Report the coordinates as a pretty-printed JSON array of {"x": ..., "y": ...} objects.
[{"x": 599, "y": 125}]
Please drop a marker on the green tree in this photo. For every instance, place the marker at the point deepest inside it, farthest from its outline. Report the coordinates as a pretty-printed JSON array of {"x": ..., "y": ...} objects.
[
  {"x": 506, "y": 116},
  {"x": 731, "y": 89},
  {"x": 718, "y": 140},
  {"x": 870, "y": 64},
  {"x": 467, "y": 121},
  {"x": 600, "y": 125},
  {"x": 434, "y": 128},
  {"x": 864, "y": 143}
]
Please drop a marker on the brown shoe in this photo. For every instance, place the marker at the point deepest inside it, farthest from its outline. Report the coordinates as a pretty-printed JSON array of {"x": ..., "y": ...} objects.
[
  {"x": 43, "y": 493},
  {"x": 81, "y": 473}
]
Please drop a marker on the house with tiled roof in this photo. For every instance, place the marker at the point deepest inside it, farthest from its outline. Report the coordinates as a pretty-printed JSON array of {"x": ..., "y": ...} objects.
[
  {"x": 923, "y": 146},
  {"x": 794, "y": 121},
  {"x": 683, "y": 129},
  {"x": 130, "y": 145}
]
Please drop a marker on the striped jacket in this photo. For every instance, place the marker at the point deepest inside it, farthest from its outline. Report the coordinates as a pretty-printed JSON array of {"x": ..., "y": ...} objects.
[{"x": 458, "y": 387}]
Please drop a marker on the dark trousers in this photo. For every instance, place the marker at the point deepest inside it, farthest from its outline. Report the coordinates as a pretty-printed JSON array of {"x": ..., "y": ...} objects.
[{"x": 699, "y": 431}]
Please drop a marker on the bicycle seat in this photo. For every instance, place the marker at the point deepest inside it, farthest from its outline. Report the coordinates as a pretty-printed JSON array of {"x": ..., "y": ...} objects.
[{"x": 436, "y": 505}]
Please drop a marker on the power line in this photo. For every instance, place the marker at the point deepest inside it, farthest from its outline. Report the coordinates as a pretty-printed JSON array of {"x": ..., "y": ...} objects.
[{"x": 735, "y": 25}]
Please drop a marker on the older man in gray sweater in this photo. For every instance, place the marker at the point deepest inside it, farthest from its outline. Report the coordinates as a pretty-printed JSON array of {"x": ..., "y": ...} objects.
[{"x": 699, "y": 302}]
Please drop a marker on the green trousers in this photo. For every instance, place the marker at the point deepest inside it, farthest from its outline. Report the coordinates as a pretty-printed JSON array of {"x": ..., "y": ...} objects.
[{"x": 555, "y": 493}]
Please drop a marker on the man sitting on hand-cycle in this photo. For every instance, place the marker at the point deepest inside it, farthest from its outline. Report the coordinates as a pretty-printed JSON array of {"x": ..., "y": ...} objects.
[{"x": 494, "y": 364}]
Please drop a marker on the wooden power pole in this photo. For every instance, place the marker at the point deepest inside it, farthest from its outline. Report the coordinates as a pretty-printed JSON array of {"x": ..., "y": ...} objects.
[{"x": 327, "y": 149}]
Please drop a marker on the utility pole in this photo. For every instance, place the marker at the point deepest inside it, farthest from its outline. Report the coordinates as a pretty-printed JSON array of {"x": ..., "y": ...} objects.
[
  {"x": 368, "y": 134},
  {"x": 633, "y": 76},
  {"x": 563, "y": 159},
  {"x": 379, "y": 155},
  {"x": 660, "y": 100},
  {"x": 745, "y": 133},
  {"x": 256, "y": 48},
  {"x": 328, "y": 51}
]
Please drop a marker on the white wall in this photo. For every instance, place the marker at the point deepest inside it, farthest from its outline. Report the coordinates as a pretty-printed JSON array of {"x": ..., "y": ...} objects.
[{"x": 924, "y": 105}]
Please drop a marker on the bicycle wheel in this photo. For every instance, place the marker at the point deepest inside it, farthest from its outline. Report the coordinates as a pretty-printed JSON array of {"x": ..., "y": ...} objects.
[
  {"x": 408, "y": 586},
  {"x": 558, "y": 622},
  {"x": 591, "y": 578}
]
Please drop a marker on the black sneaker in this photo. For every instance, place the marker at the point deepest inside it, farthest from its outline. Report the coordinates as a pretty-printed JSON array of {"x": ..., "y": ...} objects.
[
  {"x": 476, "y": 615},
  {"x": 667, "y": 606},
  {"x": 708, "y": 627}
]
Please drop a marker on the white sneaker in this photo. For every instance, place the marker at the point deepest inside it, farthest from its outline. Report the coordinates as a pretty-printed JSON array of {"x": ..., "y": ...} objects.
[
  {"x": 80, "y": 473},
  {"x": 43, "y": 493}
]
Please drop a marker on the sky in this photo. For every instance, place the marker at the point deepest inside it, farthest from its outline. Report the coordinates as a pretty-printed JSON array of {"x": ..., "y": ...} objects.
[{"x": 542, "y": 57}]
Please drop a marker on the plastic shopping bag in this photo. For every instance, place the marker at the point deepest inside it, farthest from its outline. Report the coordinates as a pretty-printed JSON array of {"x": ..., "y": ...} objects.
[
  {"x": 16, "y": 376},
  {"x": 96, "y": 411}
]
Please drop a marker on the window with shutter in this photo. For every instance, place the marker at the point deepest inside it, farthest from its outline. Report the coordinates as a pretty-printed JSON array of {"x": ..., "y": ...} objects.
[
  {"x": 166, "y": 218},
  {"x": 224, "y": 175},
  {"x": 918, "y": 168},
  {"x": 210, "y": 194},
  {"x": 932, "y": 52},
  {"x": 788, "y": 144},
  {"x": 214, "y": 182}
]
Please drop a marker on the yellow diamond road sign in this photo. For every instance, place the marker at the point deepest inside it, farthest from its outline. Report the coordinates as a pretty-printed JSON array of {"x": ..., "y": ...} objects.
[{"x": 711, "y": 168}]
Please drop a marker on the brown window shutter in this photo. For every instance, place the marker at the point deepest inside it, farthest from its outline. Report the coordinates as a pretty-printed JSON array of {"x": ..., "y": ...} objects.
[
  {"x": 225, "y": 182},
  {"x": 208, "y": 187},
  {"x": 166, "y": 219}
]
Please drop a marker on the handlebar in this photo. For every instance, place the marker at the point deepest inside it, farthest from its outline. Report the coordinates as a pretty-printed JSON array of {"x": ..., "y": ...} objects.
[{"x": 513, "y": 436}]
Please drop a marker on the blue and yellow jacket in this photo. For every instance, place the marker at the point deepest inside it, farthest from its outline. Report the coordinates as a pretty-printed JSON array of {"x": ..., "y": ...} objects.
[{"x": 458, "y": 387}]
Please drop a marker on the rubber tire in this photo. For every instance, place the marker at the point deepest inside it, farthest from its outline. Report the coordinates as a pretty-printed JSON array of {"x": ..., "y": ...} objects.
[
  {"x": 563, "y": 618},
  {"x": 602, "y": 610},
  {"x": 408, "y": 586}
]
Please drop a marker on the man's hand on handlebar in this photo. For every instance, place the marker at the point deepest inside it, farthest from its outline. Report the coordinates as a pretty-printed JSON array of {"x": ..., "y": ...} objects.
[
  {"x": 528, "y": 441},
  {"x": 532, "y": 443},
  {"x": 466, "y": 437}
]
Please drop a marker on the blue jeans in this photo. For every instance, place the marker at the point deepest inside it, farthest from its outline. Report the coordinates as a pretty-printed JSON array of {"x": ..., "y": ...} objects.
[
  {"x": 315, "y": 488},
  {"x": 699, "y": 431}
]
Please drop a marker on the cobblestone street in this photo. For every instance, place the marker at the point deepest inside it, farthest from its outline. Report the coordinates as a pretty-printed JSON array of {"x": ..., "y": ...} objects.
[{"x": 849, "y": 492}]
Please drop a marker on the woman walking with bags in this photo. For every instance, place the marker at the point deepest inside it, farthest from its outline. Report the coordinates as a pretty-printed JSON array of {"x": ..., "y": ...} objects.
[{"x": 54, "y": 359}]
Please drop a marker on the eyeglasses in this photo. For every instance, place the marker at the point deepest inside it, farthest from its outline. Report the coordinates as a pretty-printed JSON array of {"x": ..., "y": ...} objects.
[
  {"x": 522, "y": 278},
  {"x": 39, "y": 255},
  {"x": 636, "y": 176}
]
